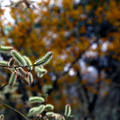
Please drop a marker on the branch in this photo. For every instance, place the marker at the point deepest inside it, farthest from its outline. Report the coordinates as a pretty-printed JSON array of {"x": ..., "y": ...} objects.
[
  {"x": 72, "y": 64},
  {"x": 26, "y": 2},
  {"x": 13, "y": 109},
  {"x": 21, "y": 66},
  {"x": 3, "y": 86}
]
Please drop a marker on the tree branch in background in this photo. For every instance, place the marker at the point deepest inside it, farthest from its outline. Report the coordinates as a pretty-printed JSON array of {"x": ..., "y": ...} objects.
[{"x": 72, "y": 64}]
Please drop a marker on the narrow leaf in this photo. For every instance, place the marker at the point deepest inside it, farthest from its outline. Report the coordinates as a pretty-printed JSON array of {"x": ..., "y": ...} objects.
[
  {"x": 30, "y": 78},
  {"x": 13, "y": 78},
  {"x": 5, "y": 49},
  {"x": 67, "y": 110},
  {"x": 36, "y": 99},
  {"x": 45, "y": 59},
  {"x": 18, "y": 57},
  {"x": 4, "y": 63},
  {"x": 11, "y": 62},
  {"x": 22, "y": 72},
  {"x": 29, "y": 63},
  {"x": 49, "y": 107},
  {"x": 1, "y": 117}
]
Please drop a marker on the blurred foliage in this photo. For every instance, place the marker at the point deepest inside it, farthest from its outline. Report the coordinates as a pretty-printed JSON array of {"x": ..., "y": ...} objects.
[{"x": 87, "y": 31}]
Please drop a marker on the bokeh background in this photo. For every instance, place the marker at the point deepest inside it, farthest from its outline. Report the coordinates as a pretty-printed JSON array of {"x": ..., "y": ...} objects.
[{"x": 84, "y": 36}]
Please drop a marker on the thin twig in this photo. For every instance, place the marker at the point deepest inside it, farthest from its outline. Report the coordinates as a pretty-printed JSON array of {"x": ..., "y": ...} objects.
[
  {"x": 21, "y": 66},
  {"x": 3, "y": 86},
  {"x": 13, "y": 109}
]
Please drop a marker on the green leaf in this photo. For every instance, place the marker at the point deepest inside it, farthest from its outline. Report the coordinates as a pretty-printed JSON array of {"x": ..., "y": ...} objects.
[
  {"x": 5, "y": 49},
  {"x": 49, "y": 107},
  {"x": 18, "y": 57},
  {"x": 4, "y": 63},
  {"x": 29, "y": 63},
  {"x": 13, "y": 78},
  {"x": 37, "y": 110},
  {"x": 67, "y": 110},
  {"x": 36, "y": 99},
  {"x": 45, "y": 59}
]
